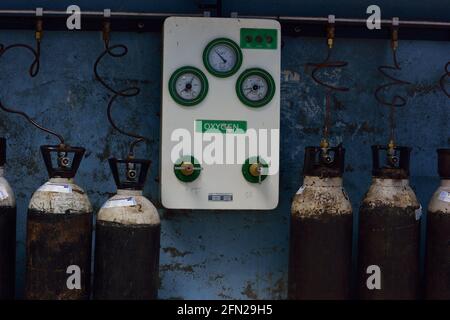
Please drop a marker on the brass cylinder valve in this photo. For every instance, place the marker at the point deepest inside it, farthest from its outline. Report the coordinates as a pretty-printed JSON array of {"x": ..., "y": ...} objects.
[
  {"x": 39, "y": 30},
  {"x": 187, "y": 168},
  {"x": 330, "y": 35},
  {"x": 106, "y": 31},
  {"x": 394, "y": 39},
  {"x": 255, "y": 169},
  {"x": 392, "y": 158}
]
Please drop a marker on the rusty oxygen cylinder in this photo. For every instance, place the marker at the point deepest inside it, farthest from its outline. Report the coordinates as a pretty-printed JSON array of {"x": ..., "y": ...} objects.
[
  {"x": 437, "y": 262},
  {"x": 389, "y": 228},
  {"x": 321, "y": 229},
  {"x": 7, "y": 231},
  {"x": 59, "y": 231},
  {"x": 127, "y": 238}
]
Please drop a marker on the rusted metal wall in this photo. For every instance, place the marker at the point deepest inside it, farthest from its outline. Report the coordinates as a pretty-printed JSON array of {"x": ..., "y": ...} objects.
[{"x": 230, "y": 255}]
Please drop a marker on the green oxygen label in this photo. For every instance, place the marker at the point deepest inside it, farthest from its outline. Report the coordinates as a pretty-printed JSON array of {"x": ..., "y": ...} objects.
[{"x": 221, "y": 126}]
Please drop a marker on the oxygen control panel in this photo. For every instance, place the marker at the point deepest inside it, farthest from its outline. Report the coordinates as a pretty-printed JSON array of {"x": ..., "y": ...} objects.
[{"x": 220, "y": 113}]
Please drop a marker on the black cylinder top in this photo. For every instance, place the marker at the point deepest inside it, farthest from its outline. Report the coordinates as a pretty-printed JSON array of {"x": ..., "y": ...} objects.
[
  {"x": 394, "y": 166},
  {"x": 62, "y": 161},
  {"x": 444, "y": 163},
  {"x": 129, "y": 173},
  {"x": 323, "y": 162},
  {"x": 2, "y": 152}
]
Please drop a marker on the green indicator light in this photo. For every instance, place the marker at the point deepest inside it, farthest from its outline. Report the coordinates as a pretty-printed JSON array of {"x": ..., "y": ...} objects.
[{"x": 252, "y": 38}]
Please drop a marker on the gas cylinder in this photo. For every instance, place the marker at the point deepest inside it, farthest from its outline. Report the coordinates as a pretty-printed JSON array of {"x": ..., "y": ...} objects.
[
  {"x": 7, "y": 231},
  {"x": 321, "y": 229},
  {"x": 127, "y": 240},
  {"x": 389, "y": 227},
  {"x": 59, "y": 231},
  {"x": 437, "y": 262}
]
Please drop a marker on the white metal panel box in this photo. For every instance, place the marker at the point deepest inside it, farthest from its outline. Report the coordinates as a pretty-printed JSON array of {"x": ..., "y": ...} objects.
[{"x": 220, "y": 113}]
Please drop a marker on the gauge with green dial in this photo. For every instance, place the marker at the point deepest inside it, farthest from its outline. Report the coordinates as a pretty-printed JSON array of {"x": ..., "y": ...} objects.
[
  {"x": 255, "y": 87},
  {"x": 222, "y": 57},
  {"x": 188, "y": 86}
]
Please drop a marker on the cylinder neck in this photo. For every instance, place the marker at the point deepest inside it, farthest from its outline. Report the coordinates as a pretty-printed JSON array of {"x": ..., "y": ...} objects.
[
  {"x": 387, "y": 182},
  {"x": 390, "y": 162},
  {"x": 2, "y": 171},
  {"x": 445, "y": 183},
  {"x": 61, "y": 180},
  {"x": 324, "y": 162},
  {"x": 129, "y": 173},
  {"x": 128, "y": 192},
  {"x": 313, "y": 181}
]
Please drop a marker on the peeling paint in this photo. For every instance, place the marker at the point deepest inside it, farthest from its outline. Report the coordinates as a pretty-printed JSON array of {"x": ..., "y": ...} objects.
[
  {"x": 249, "y": 291},
  {"x": 176, "y": 267},
  {"x": 174, "y": 252}
]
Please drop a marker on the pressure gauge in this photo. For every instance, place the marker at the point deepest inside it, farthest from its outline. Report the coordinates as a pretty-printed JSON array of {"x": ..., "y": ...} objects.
[
  {"x": 222, "y": 57},
  {"x": 188, "y": 86},
  {"x": 255, "y": 87}
]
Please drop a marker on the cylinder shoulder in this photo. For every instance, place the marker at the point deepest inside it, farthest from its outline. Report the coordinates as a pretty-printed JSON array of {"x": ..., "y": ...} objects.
[
  {"x": 317, "y": 200},
  {"x": 60, "y": 198},
  {"x": 135, "y": 209},
  {"x": 7, "y": 197},
  {"x": 440, "y": 201},
  {"x": 390, "y": 193}
]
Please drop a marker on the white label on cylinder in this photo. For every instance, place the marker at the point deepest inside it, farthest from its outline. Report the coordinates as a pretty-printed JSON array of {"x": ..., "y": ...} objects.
[
  {"x": 444, "y": 196},
  {"x": 418, "y": 212},
  {"x": 300, "y": 191},
  {"x": 125, "y": 202},
  {"x": 3, "y": 194},
  {"x": 56, "y": 187}
]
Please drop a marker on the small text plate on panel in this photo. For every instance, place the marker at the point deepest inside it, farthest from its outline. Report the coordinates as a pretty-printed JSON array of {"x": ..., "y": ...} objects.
[{"x": 220, "y": 197}]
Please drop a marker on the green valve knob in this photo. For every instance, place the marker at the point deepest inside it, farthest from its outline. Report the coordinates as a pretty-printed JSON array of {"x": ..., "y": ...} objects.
[
  {"x": 187, "y": 169},
  {"x": 255, "y": 169}
]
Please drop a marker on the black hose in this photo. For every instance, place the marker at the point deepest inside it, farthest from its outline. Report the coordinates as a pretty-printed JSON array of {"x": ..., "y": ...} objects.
[
  {"x": 397, "y": 100},
  {"x": 330, "y": 89},
  {"x": 33, "y": 71},
  {"x": 127, "y": 92},
  {"x": 445, "y": 78}
]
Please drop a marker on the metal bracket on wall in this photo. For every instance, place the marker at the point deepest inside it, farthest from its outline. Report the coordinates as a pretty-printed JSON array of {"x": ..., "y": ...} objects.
[
  {"x": 291, "y": 25},
  {"x": 91, "y": 20},
  {"x": 357, "y": 28}
]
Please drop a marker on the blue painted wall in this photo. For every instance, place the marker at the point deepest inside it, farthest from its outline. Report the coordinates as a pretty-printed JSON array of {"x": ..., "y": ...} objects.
[{"x": 216, "y": 254}]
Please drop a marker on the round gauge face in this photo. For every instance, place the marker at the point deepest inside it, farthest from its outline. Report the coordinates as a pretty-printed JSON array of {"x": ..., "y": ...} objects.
[
  {"x": 188, "y": 86},
  {"x": 255, "y": 87},
  {"x": 222, "y": 57}
]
